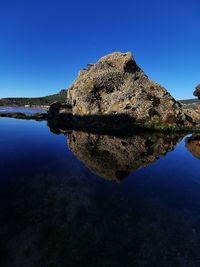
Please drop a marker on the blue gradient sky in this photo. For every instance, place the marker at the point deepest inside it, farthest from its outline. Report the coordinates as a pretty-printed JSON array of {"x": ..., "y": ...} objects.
[{"x": 44, "y": 43}]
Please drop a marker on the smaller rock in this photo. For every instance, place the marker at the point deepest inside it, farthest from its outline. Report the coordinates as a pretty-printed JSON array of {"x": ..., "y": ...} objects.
[
  {"x": 58, "y": 108},
  {"x": 197, "y": 91},
  {"x": 60, "y": 113}
]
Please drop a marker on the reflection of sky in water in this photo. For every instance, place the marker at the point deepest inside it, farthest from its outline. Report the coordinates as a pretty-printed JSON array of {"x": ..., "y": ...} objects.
[
  {"x": 55, "y": 212},
  {"x": 27, "y": 111}
]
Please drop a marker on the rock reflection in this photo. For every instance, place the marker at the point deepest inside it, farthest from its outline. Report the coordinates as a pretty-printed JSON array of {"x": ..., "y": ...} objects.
[
  {"x": 54, "y": 212},
  {"x": 193, "y": 145},
  {"x": 115, "y": 158}
]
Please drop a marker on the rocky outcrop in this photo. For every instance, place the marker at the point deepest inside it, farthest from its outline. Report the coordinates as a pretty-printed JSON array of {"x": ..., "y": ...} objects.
[
  {"x": 115, "y": 85},
  {"x": 197, "y": 91},
  {"x": 115, "y": 158}
]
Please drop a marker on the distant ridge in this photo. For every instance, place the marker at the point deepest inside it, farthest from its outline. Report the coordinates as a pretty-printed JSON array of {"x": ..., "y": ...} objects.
[
  {"x": 190, "y": 101},
  {"x": 34, "y": 101}
]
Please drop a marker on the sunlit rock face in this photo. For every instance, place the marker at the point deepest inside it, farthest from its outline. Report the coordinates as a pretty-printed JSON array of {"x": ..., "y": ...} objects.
[
  {"x": 193, "y": 145},
  {"x": 117, "y": 85},
  {"x": 115, "y": 158}
]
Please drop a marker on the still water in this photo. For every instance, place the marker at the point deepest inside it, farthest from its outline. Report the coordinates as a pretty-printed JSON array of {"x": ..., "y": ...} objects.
[
  {"x": 79, "y": 199},
  {"x": 28, "y": 111}
]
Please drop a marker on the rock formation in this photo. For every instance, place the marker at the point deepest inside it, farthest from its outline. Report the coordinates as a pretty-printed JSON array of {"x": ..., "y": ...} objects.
[
  {"x": 115, "y": 158},
  {"x": 116, "y": 93},
  {"x": 116, "y": 85}
]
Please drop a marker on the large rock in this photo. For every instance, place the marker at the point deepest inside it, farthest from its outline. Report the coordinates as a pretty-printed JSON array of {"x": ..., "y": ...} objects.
[{"x": 116, "y": 85}]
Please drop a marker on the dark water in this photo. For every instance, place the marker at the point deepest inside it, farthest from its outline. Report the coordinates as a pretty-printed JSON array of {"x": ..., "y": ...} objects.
[
  {"x": 86, "y": 200},
  {"x": 28, "y": 111}
]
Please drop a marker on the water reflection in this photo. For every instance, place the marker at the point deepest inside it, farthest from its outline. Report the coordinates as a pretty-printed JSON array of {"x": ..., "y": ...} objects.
[
  {"x": 55, "y": 212},
  {"x": 115, "y": 158},
  {"x": 27, "y": 111},
  {"x": 193, "y": 145}
]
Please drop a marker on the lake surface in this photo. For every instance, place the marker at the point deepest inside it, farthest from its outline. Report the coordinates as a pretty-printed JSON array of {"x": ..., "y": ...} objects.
[
  {"x": 28, "y": 111},
  {"x": 79, "y": 199}
]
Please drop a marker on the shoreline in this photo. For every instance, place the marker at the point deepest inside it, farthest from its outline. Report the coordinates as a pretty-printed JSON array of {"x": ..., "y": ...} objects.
[
  {"x": 19, "y": 115},
  {"x": 31, "y": 107},
  {"x": 98, "y": 127}
]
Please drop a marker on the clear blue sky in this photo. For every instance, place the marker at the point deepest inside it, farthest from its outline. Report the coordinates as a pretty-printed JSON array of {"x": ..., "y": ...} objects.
[{"x": 44, "y": 43}]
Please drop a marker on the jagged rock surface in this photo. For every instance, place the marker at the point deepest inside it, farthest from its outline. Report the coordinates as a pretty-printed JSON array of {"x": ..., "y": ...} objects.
[{"x": 116, "y": 85}]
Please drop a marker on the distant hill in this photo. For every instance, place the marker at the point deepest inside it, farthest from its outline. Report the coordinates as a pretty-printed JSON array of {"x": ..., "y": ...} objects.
[
  {"x": 190, "y": 101},
  {"x": 34, "y": 101}
]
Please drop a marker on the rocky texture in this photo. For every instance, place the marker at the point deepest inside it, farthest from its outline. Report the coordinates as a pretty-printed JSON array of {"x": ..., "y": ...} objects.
[
  {"x": 114, "y": 158},
  {"x": 115, "y": 85},
  {"x": 197, "y": 91},
  {"x": 193, "y": 145},
  {"x": 193, "y": 115},
  {"x": 192, "y": 109}
]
